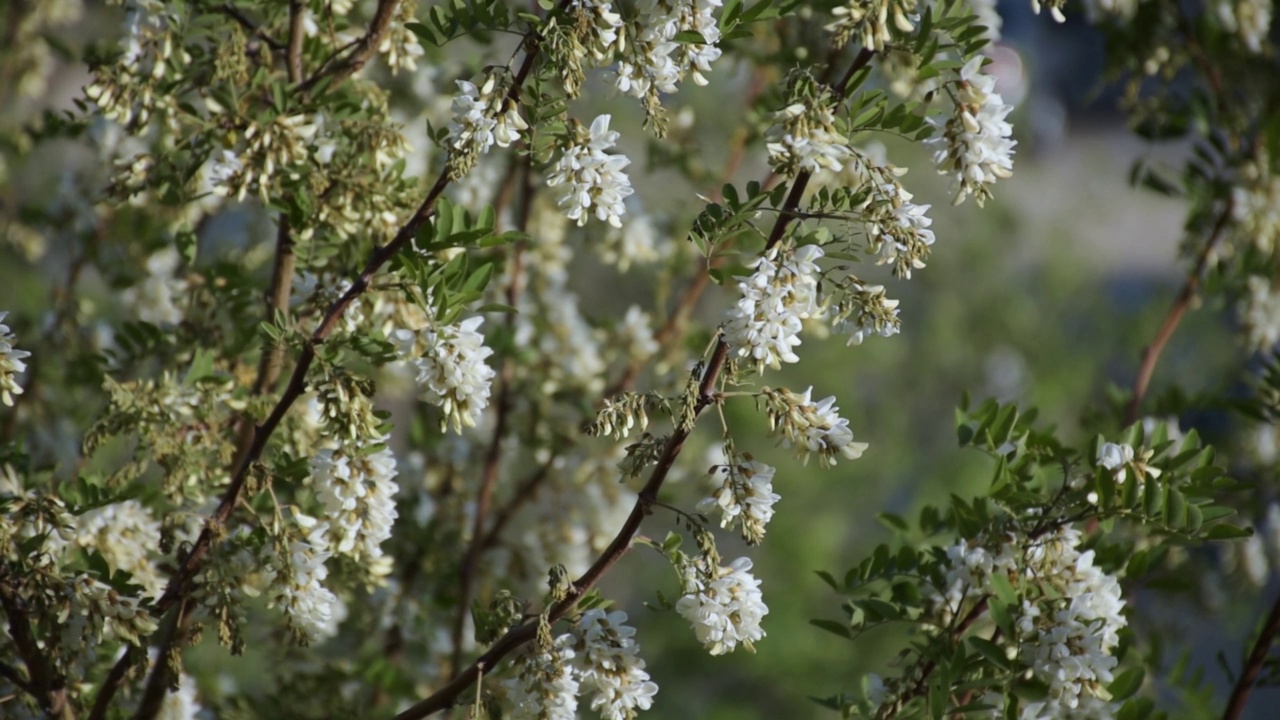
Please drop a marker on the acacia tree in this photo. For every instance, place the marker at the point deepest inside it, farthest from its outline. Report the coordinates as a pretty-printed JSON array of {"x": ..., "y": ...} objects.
[{"x": 209, "y": 429}]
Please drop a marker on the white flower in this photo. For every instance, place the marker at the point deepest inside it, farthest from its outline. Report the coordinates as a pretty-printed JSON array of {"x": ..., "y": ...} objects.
[
  {"x": 450, "y": 369},
  {"x": 311, "y": 608},
  {"x": 126, "y": 534},
  {"x": 1249, "y": 19},
  {"x": 803, "y": 138},
  {"x": 11, "y": 364},
  {"x": 1255, "y": 207},
  {"x": 591, "y": 178},
  {"x": 724, "y": 605},
  {"x": 607, "y": 661},
  {"x": 745, "y": 498},
  {"x": 1114, "y": 456},
  {"x": 358, "y": 494},
  {"x": 547, "y": 687},
  {"x": 765, "y": 323},
  {"x": 975, "y": 144},
  {"x": 636, "y": 333},
  {"x": 874, "y": 314},
  {"x": 223, "y": 166},
  {"x": 480, "y": 120},
  {"x": 655, "y": 62},
  {"x": 155, "y": 299},
  {"x": 1260, "y": 313},
  {"x": 811, "y": 427}
]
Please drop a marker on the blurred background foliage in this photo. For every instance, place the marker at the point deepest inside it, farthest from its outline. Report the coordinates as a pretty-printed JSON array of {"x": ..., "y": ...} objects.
[{"x": 1047, "y": 297}]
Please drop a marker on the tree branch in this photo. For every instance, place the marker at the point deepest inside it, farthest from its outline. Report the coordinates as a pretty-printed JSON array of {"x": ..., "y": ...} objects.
[
  {"x": 361, "y": 51},
  {"x": 1151, "y": 355},
  {"x": 186, "y": 571},
  {"x": 48, "y": 687},
  {"x": 1253, "y": 666},
  {"x": 493, "y": 456},
  {"x": 446, "y": 696}
]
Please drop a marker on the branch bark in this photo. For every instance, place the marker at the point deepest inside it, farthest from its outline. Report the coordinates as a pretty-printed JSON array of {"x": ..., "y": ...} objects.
[
  {"x": 361, "y": 52},
  {"x": 1253, "y": 666},
  {"x": 1182, "y": 303}
]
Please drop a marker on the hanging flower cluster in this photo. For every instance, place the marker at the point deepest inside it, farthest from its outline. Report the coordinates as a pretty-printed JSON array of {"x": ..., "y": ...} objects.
[
  {"x": 723, "y": 604},
  {"x": 764, "y": 325},
  {"x": 592, "y": 178},
  {"x": 11, "y": 364},
  {"x": 450, "y": 369},
  {"x": 974, "y": 145}
]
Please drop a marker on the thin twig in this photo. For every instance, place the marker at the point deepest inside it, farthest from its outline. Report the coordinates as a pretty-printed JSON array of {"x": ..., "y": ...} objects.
[
  {"x": 254, "y": 29},
  {"x": 361, "y": 51},
  {"x": 48, "y": 687},
  {"x": 293, "y": 59},
  {"x": 493, "y": 456},
  {"x": 1253, "y": 666},
  {"x": 1151, "y": 355}
]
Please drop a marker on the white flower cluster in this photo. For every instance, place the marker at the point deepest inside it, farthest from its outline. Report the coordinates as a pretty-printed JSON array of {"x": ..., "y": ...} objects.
[
  {"x": 450, "y": 369},
  {"x": 635, "y": 242},
  {"x": 399, "y": 44},
  {"x": 10, "y": 363},
  {"x": 1248, "y": 19},
  {"x": 311, "y": 608},
  {"x": 811, "y": 427},
  {"x": 599, "y": 656},
  {"x": 897, "y": 229},
  {"x": 157, "y": 298},
  {"x": 765, "y": 323},
  {"x": 607, "y": 661},
  {"x": 1260, "y": 314},
  {"x": 1067, "y": 641},
  {"x": 482, "y": 117},
  {"x": 873, "y": 313},
  {"x": 283, "y": 144},
  {"x": 1255, "y": 208},
  {"x": 636, "y": 334},
  {"x": 590, "y": 177},
  {"x": 803, "y": 138},
  {"x": 1123, "y": 461},
  {"x": 656, "y": 62},
  {"x": 975, "y": 144},
  {"x": 147, "y": 49},
  {"x": 1070, "y": 617},
  {"x": 723, "y": 604},
  {"x": 125, "y": 534},
  {"x": 356, "y": 487},
  {"x": 97, "y": 610},
  {"x": 869, "y": 21},
  {"x": 745, "y": 498},
  {"x": 547, "y": 686}
]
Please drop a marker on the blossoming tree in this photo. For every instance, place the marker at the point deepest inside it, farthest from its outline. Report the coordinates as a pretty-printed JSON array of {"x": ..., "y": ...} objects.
[{"x": 316, "y": 375}]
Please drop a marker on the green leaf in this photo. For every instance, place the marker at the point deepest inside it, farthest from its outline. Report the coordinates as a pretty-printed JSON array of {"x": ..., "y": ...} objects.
[
  {"x": 991, "y": 651},
  {"x": 1225, "y": 531},
  {"x": 833, "y": 627},
  {"x": 1128, "y": 683}
]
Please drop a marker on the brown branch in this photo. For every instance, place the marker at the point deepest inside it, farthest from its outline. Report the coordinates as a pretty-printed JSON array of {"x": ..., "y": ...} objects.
[
  {"x": 446, "y": 696},
  {"x": 178, "y": 583},
  {"x": 48, "y": 687},
  {"x": 1253, "y": 666},
  {"x": 157, "y": 686},
  {"x": 524, "y": 493},
  {"x": 361, "y": 51},
  {"x": 493, "y": 456},
  {"x": 921, "y": 684},
  {"x": 293, "y": 58},
  {"x": 1182, "y": 303},
  {"x": 254, "y": 29}
]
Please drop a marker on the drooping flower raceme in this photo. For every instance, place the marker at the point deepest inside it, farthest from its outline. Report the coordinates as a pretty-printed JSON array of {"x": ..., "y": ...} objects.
[
  {"x": 482, "y": 117},
  {"x": 450, "y": 369},
  {"x": 723, "y": 604},
  {"x": 745, "y": 498},
  {"x": 654, "y": 62},
  {"x": 975, "y": 146},
  {"x": 803, "y": 137},
  {"x": 1255, "y": 207},
  {"x": 358, "y": 493},
  {"x": 1250, "y": 20},
  {"x": 764, "y": 325},
  {"x": 126, "y": 534},
  {"x": 11, "y": 364},
  {"x": 592, "y": 178},
  {"x": 547, "y": 686},
  {"x": 1260, "y": 314},
  {"x": 156, "y": 299},
  {"x": 811, "y": 427},
  {"x": 310, "y": 607},
  {"x": 606, "y": 658}
]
